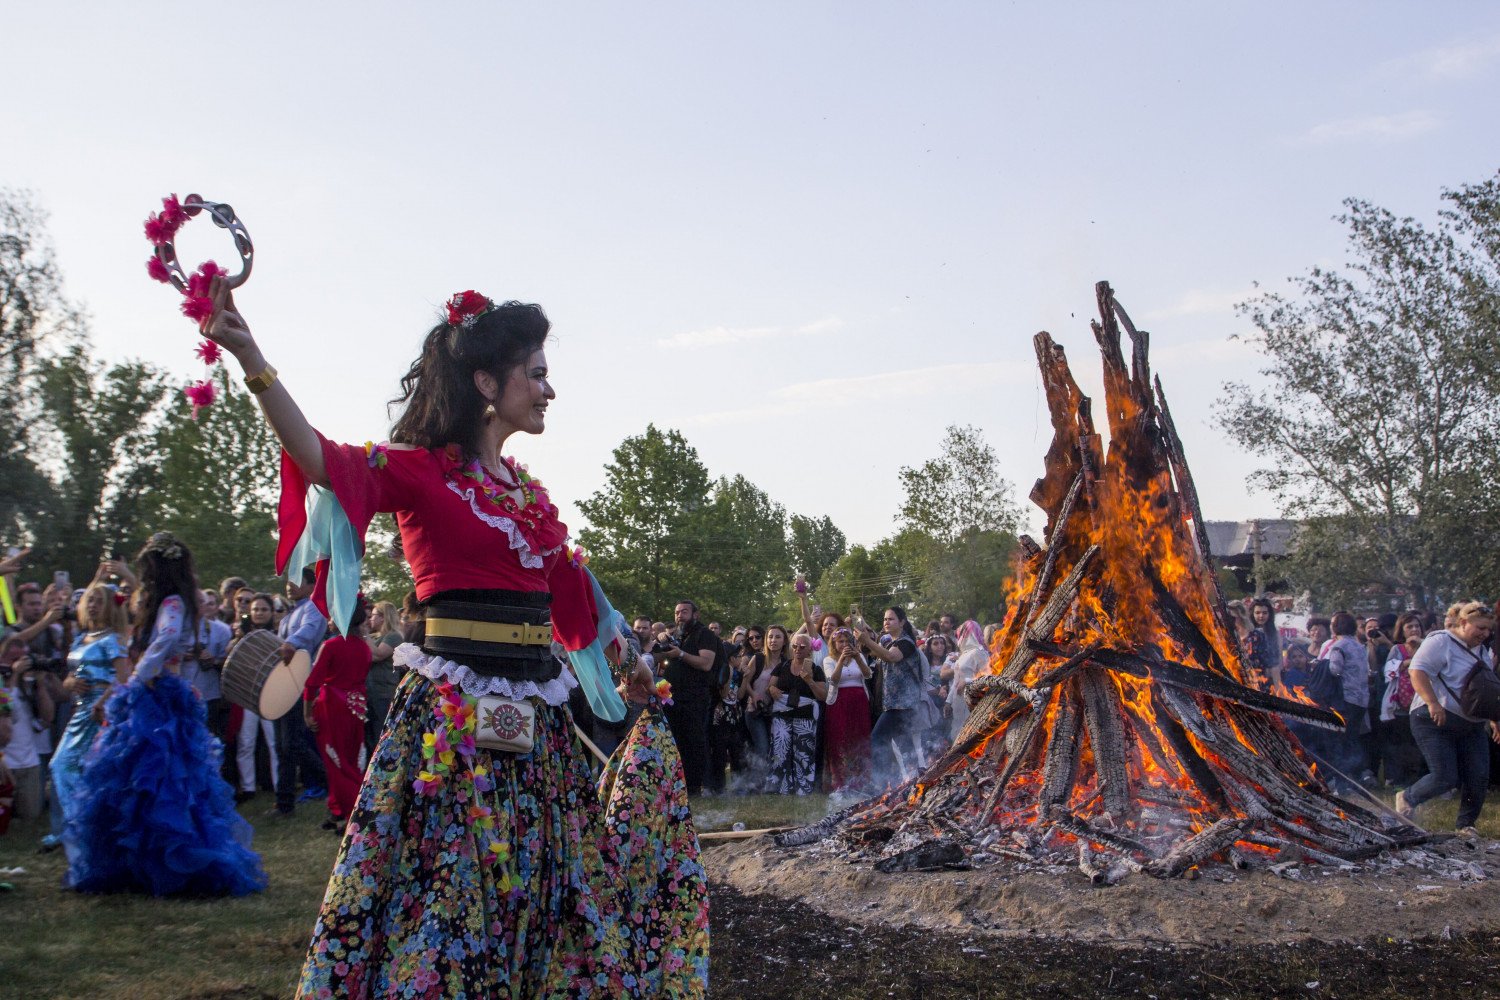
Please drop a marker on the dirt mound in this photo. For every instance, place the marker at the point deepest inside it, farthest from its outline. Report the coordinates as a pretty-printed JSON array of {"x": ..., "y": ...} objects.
[{"x": 1223, "y": 906}]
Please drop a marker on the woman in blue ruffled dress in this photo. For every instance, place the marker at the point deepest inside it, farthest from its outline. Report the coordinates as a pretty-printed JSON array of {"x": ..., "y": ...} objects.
[
  {"x": 97, "y": 662},
  {"x": 152, "y": 814}
]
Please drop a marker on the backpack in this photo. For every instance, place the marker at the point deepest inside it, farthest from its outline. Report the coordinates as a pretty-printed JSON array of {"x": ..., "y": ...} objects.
[
  {"x": 1324, "y": 687},
  {"x": 1404, "y": 691},
  {"x": 1479, "y": 695}
]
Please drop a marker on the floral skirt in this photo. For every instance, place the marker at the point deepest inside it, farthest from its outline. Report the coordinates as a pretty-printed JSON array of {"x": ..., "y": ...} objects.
[
  {"x": 794, "y": 755},
  {"x": 516, "y": 883}
]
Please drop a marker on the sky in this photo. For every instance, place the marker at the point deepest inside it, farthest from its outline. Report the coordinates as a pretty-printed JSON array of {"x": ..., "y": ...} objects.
[{"x": 809, "y": 236}]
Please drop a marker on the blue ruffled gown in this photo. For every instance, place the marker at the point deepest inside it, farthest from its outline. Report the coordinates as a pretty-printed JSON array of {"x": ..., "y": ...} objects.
[{"x": 152, "y": 814}]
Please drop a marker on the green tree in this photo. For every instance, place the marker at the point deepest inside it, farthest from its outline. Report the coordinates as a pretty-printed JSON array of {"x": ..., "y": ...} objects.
[
  {"x": 959, "y": 491},
  {"x": 1380, "y": 423},
  {"x": 644, "y": 534},
  {"x": 33, "y": 314},
  {"x": 213, "y": 484},
  {"x": 386, "y": 574},
  {"x": 98, "y": 424},
  {"x": 816, "y": 544},
  {"x": 740, "y": 549}
]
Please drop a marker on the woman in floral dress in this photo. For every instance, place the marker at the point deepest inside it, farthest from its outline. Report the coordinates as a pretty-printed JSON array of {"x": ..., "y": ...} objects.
[{"x": 482, "y": 858}]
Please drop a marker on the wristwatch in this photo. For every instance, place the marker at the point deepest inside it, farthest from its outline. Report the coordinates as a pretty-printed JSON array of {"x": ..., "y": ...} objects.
[{"x": 258, "y": 384}]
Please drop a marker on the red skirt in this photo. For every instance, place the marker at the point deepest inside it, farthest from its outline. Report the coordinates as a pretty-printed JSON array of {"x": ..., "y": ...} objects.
[{"x": 847, "y": 740}]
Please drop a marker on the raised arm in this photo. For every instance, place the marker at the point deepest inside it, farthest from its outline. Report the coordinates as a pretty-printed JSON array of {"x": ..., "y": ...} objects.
[{"x": 227, "y": 328}]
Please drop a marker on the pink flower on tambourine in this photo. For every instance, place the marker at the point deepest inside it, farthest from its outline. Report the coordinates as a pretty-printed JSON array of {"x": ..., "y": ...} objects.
[
  {"x": 467, "y": 306},
  {"x": 209, "y": 352},
  {"x": 201, "y": 395},
  {"x": 199, "y": 281},
  {"x": 158, "y": 230},
  {"x": 158, "y": 270},
  {"x": 198, "y": 308},
  {"x": 172, "y": 212}
]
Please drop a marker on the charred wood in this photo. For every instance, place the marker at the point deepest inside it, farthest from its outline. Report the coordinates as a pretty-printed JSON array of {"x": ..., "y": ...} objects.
[
  {"x": 1199, "y": 848},
  {"x": 1106, "y": 735},
  {"x": 1062, "y": 750}
]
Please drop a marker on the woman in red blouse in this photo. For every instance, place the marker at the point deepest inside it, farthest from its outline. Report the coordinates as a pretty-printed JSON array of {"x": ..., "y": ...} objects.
[
  {"x": 480, "y": 857},
  {"x": 333, "y": 703}
]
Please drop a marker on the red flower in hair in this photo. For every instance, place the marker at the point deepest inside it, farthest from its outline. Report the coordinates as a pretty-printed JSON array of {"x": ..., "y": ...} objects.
[
  {"x": 465, "y": 306},
  {"x": 201, "y": 395},
  {"x": 158, "y": 270}
]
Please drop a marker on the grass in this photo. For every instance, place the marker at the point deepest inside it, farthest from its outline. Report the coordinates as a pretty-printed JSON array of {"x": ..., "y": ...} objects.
[{"x": 58, "y": 943}]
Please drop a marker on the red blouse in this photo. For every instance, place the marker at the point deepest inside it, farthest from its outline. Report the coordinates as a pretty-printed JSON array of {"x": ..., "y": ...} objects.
[
  {"x": 343, "y": 663},
  {"x": 453, "y": 535}
]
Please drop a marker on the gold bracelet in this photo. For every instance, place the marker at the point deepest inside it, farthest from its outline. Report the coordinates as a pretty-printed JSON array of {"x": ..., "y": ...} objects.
[{"x": 258, "y": 384}]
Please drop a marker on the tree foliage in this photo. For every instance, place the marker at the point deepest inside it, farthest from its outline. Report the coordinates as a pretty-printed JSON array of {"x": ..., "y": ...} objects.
[
  {"x": 661, "y": 530},
  {"x": 642, "y": 535},
  {"x": 214, "y": 484},
  {"x": 959, "y": 491},
  {"x": 33, "y": 314},
  {"x": 1381, "y": 411},
  {"x": 817, "y": 544},
  {"x": 100, "y": 431}
]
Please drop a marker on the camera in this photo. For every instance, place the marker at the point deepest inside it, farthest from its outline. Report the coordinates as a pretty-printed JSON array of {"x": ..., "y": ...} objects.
[{"x": 661, "y": 646}]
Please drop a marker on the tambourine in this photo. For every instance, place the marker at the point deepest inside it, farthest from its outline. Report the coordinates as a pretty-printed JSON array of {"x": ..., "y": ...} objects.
[{"x": 223, "y": 215}]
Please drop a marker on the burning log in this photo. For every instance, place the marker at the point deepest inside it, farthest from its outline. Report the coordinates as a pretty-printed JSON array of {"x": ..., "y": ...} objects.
[
  {"x": 1199, "y": 847},
  {"x": 1095, "y": 873},
  {"x": 1115, "y": 713}
]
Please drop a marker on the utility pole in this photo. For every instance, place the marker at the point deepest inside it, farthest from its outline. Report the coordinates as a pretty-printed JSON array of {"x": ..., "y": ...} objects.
[{"x": 1255, "y": 565}]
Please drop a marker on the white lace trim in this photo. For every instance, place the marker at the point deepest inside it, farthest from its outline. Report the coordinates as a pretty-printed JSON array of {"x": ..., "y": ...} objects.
[
  {"x": 436, "y": 668},
  {"x": 505, "y": 524}
]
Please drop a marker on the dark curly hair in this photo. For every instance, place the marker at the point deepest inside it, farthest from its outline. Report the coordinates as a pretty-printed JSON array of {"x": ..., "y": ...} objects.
[
  {"x": 441, "y": 405},
  {"x": 165, "y": 567}
]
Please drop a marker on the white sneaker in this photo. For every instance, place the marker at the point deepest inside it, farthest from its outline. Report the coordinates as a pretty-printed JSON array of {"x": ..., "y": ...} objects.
[
  {"x": 1467, "y": 832},
  {"x": 1403, "y": 808}
]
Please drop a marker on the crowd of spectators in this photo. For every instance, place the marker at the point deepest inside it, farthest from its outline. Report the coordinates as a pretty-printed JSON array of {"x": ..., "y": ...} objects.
[
  {"x": 1396, "y": 681},
  {"x": 831, "y": 704},
  {"x": 41, "y": 687}
]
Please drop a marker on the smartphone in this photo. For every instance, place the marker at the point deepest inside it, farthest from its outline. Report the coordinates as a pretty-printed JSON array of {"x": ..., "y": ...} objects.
[{"x": 63, "y": 582}]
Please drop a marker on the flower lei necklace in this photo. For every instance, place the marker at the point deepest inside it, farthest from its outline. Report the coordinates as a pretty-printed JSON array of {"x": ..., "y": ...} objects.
[
  {"x": 497, "y": 491},
  {"x": 161, "y": 230},
  {"x": 448, "y": 755}
]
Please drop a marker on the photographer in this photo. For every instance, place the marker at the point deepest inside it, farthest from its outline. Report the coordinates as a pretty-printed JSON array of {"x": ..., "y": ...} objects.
[
  {"x": 31, "y": 708},
  {"x": 686, "y": 655},
  {"x": 40, "y": 625}
]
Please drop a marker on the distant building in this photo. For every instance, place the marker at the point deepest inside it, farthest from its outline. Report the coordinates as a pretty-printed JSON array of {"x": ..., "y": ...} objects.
[{"x": 1232, "y": 545}]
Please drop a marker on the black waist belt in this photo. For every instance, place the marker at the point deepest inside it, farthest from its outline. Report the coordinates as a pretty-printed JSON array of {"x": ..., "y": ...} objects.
[{"x": 496, "y": 633}]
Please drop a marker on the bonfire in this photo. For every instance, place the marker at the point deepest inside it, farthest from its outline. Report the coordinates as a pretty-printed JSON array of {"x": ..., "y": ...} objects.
[{"x": 1115, "y": 722}]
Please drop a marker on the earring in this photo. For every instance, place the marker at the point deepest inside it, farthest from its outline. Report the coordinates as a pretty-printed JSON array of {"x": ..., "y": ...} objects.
[{"x": 489, "y": 410}]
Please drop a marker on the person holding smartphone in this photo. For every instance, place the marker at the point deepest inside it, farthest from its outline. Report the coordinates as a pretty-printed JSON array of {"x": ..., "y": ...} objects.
[{"x": 31, "y": 710}]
